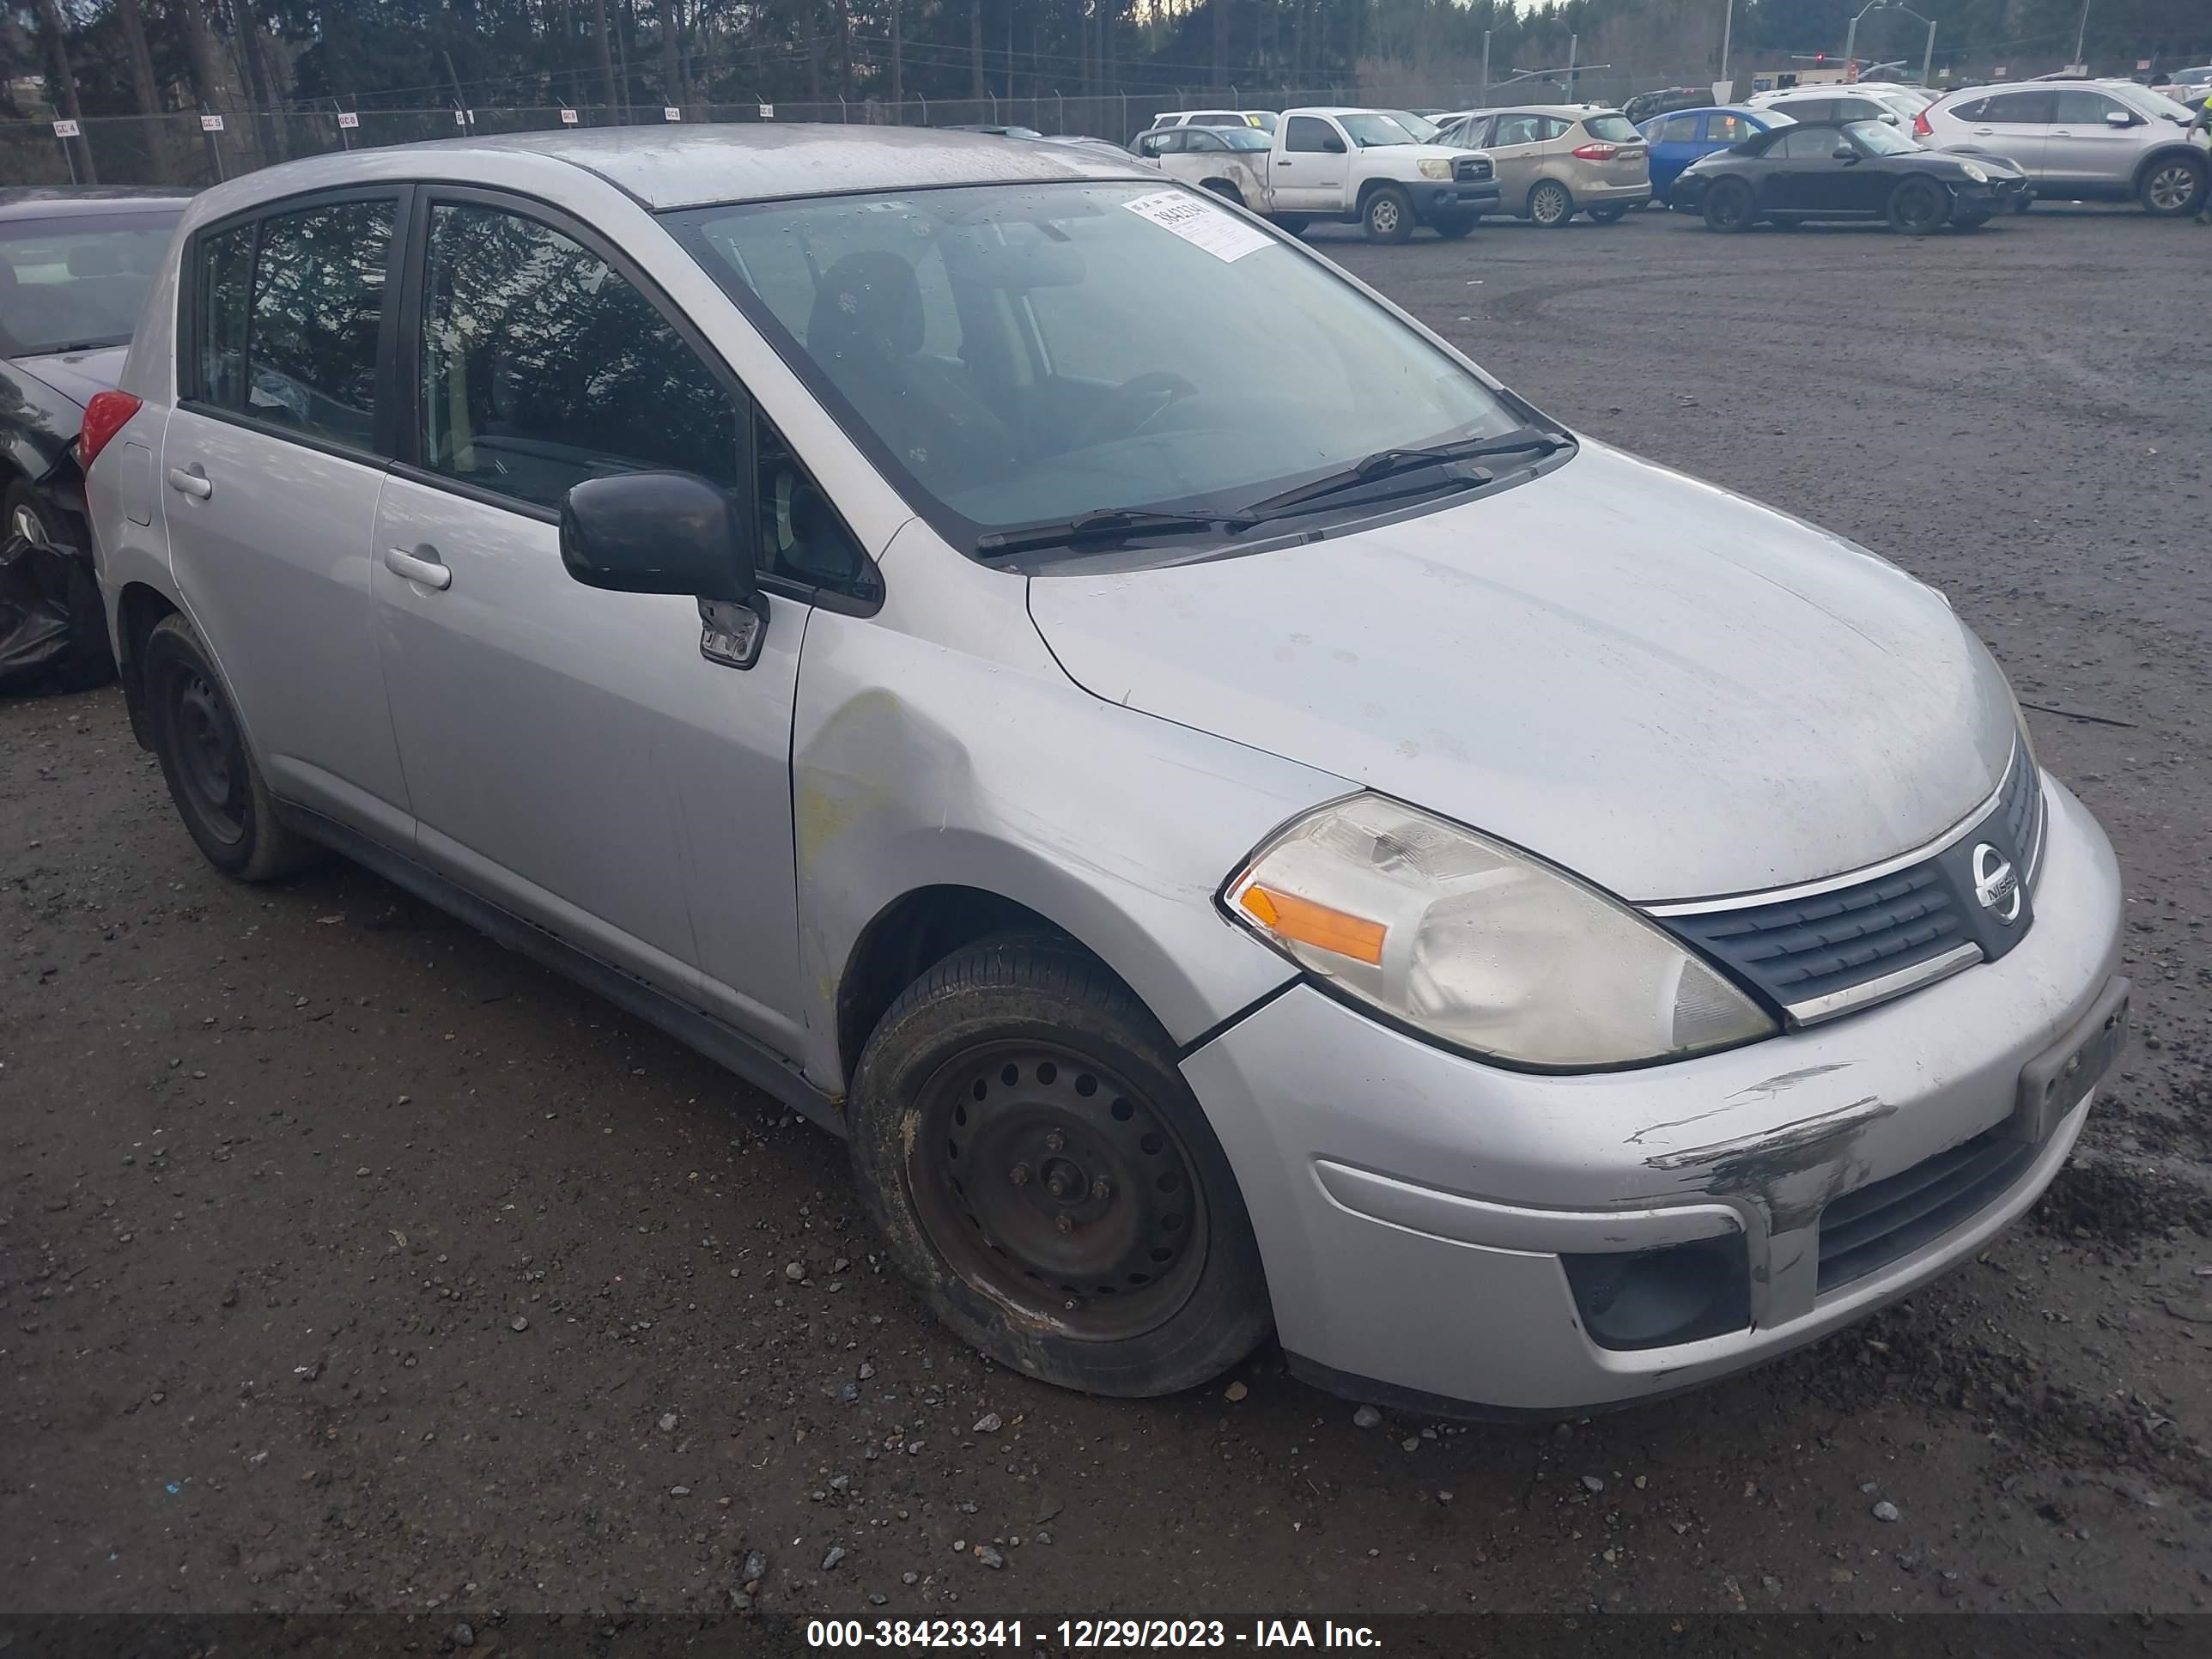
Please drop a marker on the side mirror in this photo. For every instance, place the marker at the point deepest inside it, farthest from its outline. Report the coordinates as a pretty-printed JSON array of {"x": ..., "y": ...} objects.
[
  {"x": 2119, "y": 117},
  {"x": 1845, "y": 153},
  {"x": 671, "y": 533}
]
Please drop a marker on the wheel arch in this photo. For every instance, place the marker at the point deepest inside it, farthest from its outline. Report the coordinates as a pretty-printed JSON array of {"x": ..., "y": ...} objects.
[
  {"x": 139, "y": 608},
  {"x": 2167, "y": 153}
]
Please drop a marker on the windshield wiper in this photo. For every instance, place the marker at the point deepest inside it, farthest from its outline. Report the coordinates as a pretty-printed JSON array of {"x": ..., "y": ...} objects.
[
  {"x": 1387, "y": 463},
  {"x": 1103, "y": 524}
]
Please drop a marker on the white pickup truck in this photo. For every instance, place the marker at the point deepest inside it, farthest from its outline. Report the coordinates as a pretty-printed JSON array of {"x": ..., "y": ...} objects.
[{"x": 1350, "y": 164}]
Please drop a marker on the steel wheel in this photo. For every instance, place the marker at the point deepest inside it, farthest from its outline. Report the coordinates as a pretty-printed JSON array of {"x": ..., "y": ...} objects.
[
  {"x": 1048, "y": 1182},
  {"x": 1384, "y": 217},
  {"x": 210, "y": 757},
  {"x": 2172, "y": 187},
  {"x": 1550, "y": 205}
]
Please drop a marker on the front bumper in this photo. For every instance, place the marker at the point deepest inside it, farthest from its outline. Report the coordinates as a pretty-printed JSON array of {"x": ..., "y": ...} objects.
[
  {"x": 1432, "y": 197},
  {"x": 1413, "y": 1208}
]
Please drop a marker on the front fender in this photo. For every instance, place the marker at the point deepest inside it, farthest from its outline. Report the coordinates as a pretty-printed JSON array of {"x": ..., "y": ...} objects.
[{"x": 919, "y": 761}]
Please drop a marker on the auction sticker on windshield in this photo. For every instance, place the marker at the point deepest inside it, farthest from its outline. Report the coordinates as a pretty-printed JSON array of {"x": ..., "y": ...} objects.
[{"x": 1200, "y": 223}]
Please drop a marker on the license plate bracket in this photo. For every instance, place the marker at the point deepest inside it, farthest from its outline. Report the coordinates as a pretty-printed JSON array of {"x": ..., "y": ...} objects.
[{"x": 2055, "y": 1081}]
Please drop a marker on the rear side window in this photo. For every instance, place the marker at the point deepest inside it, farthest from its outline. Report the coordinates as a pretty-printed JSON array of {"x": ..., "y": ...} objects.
[
  {"x": 2032, "y": 109},
  {"x": 542, "y": 367},
  {"x": 1678, "y": 129},
  {"x": 291, "y": 307},
  {"x": 1729, "y": 129},
  {"x": 1811, "y": 109}
]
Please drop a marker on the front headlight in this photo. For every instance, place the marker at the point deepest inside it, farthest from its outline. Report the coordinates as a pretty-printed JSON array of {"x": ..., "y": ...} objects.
[
  {"x": 1482, "y": 947},
  {"x": 1974, "y": 173},
  {"x": 1433, "y": 169}
]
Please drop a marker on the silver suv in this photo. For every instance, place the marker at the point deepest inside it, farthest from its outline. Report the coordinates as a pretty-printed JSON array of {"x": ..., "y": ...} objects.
[
  {"x": 2080, "y": 140},
  {"x": 1196, "y": 782}
]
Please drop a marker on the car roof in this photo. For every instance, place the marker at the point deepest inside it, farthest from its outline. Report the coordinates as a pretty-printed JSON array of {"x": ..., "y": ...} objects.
[
  {"x": 699, "y": 164},
  {"x": 54, "y": 201},
  {"x": 1571, "y": 112}
]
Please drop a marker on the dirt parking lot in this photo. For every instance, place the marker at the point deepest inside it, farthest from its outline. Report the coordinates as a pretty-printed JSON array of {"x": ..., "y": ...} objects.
[{"x": 351, "y": 1262}]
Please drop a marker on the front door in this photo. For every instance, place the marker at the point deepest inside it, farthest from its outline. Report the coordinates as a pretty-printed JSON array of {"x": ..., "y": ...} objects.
[
  {"x": 1517, "y": 149},
  {"x": 1307, "y": 173},
  {"x": 1806, "y": 177},
  {"x": 2084, "y": 148},
  {"x": 569, "y": 752},
  {"x": 272, "y": 467},
  {"x": 2017, "y": 126}
]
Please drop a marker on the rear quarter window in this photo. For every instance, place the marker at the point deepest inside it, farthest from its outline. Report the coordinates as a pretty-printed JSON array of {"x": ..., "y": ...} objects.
[{"x": 1614, "y": 130}]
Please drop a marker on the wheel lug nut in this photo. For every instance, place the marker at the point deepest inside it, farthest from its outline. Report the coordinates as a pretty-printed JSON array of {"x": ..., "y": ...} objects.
[
  {"x": 1054, "y": 1141},
  {"x": 1102, "y": 1190},
  {"x": 1020, "y": 1175},
  {"x": 1065, "y": 1222}
]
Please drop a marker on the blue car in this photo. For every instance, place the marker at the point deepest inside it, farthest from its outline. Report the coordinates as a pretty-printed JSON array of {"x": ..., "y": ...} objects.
[{"x": 1681, "y": 137}]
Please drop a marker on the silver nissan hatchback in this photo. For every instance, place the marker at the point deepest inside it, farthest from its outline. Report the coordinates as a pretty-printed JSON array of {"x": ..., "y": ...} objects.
[{"x": 1241, "y": 822}]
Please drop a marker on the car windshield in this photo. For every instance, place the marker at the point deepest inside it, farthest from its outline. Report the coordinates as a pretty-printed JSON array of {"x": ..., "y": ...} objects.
[
  {"x": 1372, "y": 131},
  {"x": 1424, "y": 130},
  {"x": 1880, "y": 137},
  {"x": 1242, "y": 137},
  {"x": 2157, "y": 103},
  {"x": 1003, "y": 353},
  {"x": 1612, "y": 129},
  {"x": 74, "y": 282}
]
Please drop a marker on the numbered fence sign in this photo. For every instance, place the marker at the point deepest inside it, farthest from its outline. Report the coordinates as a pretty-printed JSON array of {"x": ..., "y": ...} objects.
[
  {"x": 567, "y": 117},
  {"x": 348, "y": 119},
  {"x": 65, "y": 130},
  {"x": 671, "y": 113},
  {"x": 1999, "y": 72},
  {"x": 768, "y": 112},
  {"x": 210, "y": 123},
  {"x": 2142, "y": 63}
]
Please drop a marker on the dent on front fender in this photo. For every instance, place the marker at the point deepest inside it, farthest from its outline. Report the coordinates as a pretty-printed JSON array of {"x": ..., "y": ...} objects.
[{"x": 918, "y": 765}]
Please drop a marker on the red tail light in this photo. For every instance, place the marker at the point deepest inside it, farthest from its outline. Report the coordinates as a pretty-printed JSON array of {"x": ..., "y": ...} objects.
[
  {"x": 1920, "y": 127},
  {"x": 1597, "y": 152},
  {"x": 107, "y": 413}
]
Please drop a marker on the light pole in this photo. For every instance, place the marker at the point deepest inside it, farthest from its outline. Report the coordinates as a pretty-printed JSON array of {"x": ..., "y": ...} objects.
[
  {"x": 1727, "y": 28},
  {"x": 1927, "y": 56},
  {"x": 2081, "y": 32}
]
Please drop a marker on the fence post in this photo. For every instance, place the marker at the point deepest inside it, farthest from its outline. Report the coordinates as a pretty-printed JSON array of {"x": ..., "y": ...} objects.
[
  {"x": 214, "y": 143},
  {"x": 1060, "y": 107},
  {"x": 843, "y": 114},
  {"x": 1124, "y": 137}
]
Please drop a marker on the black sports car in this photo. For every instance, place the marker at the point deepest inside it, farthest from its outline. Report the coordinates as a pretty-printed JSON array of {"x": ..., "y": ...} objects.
[
  {"x": 75, "y": 267},
  {"x": 1854, "y": 170}
]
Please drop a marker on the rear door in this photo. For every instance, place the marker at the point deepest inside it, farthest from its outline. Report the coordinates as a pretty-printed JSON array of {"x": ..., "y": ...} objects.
[
  {"x": 272, "y": 462},
  {"x": 2017, "y": 126},
  {"x": 2085, "y": 149}
]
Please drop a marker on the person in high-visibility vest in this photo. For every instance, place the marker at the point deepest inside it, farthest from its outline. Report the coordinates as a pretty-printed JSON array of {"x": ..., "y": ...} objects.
[{"x": 2204, "y": 203}]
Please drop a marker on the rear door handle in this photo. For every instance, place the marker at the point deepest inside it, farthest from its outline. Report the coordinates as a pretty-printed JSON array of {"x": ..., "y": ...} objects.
[
  {"x": 428, "y": 572},
  {"x": 196, "y": 484}
]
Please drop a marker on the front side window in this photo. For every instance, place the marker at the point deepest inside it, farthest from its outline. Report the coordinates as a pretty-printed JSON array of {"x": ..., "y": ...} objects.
[
  {"x": 542, "y": 367},
  {"x": 1057, "y": 384},
  {"x": 1310, "y": 134},
  {"x": 2080, "y": 108},
  {"x": 1880, "y": 138},
  {"x": 291, "y": 307},
  {"x": 1678, "y": 130},
  {"x": 75, "y": 282},
  {"x": 1729, "y": 129},
  {"x": 1806, "y": 144}
]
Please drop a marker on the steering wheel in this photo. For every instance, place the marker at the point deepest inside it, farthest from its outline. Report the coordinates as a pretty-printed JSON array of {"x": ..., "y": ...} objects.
[{"x": 1158, "y": 386}]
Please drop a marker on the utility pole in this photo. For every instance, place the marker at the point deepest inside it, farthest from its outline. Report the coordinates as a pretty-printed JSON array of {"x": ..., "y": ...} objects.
[
  {"x": 1728, "y": 30},
  {"x": 606, "y": 55},
  {"x": 2081, "y": 32},
  {"x": 898, "y": 66},
  {"x": 1483, "y": 102}
]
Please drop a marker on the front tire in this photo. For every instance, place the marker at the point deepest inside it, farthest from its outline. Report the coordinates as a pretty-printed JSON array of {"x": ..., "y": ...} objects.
[
  {"x": 2174, "y": 186},
  {"x": 212, "y": 773},
  {"x": 1388, "y": 215},
  {"x": 1918, "y": 207},
  {"x": 1551, "y": 204},
  {"x": 87, "y": 659},
  {"x": 1729, "y": 207},
  {"x": 1022, "y": 1138}
]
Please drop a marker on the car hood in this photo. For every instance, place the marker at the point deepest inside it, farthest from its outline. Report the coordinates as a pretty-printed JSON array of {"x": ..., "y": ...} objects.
[
  {"x": 1670, "y": 689},
  {"x": 78, "y": 375}
]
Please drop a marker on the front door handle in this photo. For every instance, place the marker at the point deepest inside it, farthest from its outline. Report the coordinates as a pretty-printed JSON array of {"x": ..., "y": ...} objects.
[
  {"x": 195, "y": 483},
  {"x": 415, "y": 568}
]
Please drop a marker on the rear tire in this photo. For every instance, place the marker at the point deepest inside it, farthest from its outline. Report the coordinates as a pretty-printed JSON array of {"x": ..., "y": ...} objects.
[
  {"x": 1388, "y": 215},
  {"x": 1918, "y": 207},
  {"x": 210, "y": 771},
  {"x": 88, "y": 660},
  {"x": 1609, "y": 216},
  {"x": 1453, "y": 226},
  {"x": 2174, "y": 186},
  {"x": 1551, "y": 203},
  {"x": 1039, "y": 1169},
  {"x": 1292, "y": 224},
  {"x": 1728, "y": 206}
]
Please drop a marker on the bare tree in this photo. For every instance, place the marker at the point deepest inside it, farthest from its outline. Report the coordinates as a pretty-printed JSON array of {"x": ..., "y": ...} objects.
[
  {"x": 606, "y": 53},
  {"x": 976, "y": 49},
  {"x": 50, "y": 25}
]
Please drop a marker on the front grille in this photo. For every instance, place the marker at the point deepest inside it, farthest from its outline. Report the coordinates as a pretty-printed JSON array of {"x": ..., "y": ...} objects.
[
  {"x": 1472, "y": 169},
  {"x": 1807, "y": 953},
  {"x": 1864, "y": 1232}
]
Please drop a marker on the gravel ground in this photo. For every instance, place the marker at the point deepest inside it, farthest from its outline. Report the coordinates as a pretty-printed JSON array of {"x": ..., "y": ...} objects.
[{"x": 350, "y": 1262}]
